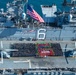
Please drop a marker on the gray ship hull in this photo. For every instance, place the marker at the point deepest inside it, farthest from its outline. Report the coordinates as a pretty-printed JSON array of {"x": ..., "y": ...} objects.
[{"x": 53, "y": 34}]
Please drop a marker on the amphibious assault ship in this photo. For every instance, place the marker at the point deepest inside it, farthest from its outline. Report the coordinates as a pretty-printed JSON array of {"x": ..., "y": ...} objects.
[
  {"x": 34, "y": 48},
  {"x": 15, "y": 25}
]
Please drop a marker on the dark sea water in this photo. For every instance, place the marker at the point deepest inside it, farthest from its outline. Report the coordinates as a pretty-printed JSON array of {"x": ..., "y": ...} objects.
[{"x": 36, "y": 4}]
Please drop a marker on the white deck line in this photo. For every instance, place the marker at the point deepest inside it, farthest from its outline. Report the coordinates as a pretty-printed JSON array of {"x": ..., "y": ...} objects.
[{"x": 24, "y": 62}]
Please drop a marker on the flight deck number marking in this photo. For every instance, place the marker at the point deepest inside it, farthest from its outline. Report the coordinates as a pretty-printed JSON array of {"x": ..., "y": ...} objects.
[{"x": 41, "y": 34}]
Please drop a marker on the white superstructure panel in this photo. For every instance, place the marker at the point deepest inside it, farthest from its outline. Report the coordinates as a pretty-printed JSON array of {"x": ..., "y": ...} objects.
[
  {"x": 49, "y": 13},
  {"x": 49, "y": 10}
]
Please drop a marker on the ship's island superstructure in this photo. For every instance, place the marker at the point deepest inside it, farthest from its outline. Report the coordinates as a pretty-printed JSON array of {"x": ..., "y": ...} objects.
[{"x": 30, "y": 47}]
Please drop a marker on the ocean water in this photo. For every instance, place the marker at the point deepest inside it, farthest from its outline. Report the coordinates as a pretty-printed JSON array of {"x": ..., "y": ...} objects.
[{"x": 36, "y": 4}]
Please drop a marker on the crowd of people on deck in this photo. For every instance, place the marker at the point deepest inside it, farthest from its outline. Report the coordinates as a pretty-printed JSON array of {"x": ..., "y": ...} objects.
[
  {"x": 24, "y": 49},
  {"x": 31, "y": 49},
  {"x": 57, "y": 49}
]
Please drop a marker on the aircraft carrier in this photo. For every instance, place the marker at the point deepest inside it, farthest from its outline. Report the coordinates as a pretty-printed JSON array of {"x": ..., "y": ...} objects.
[{"x": 28, "y": 47}]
